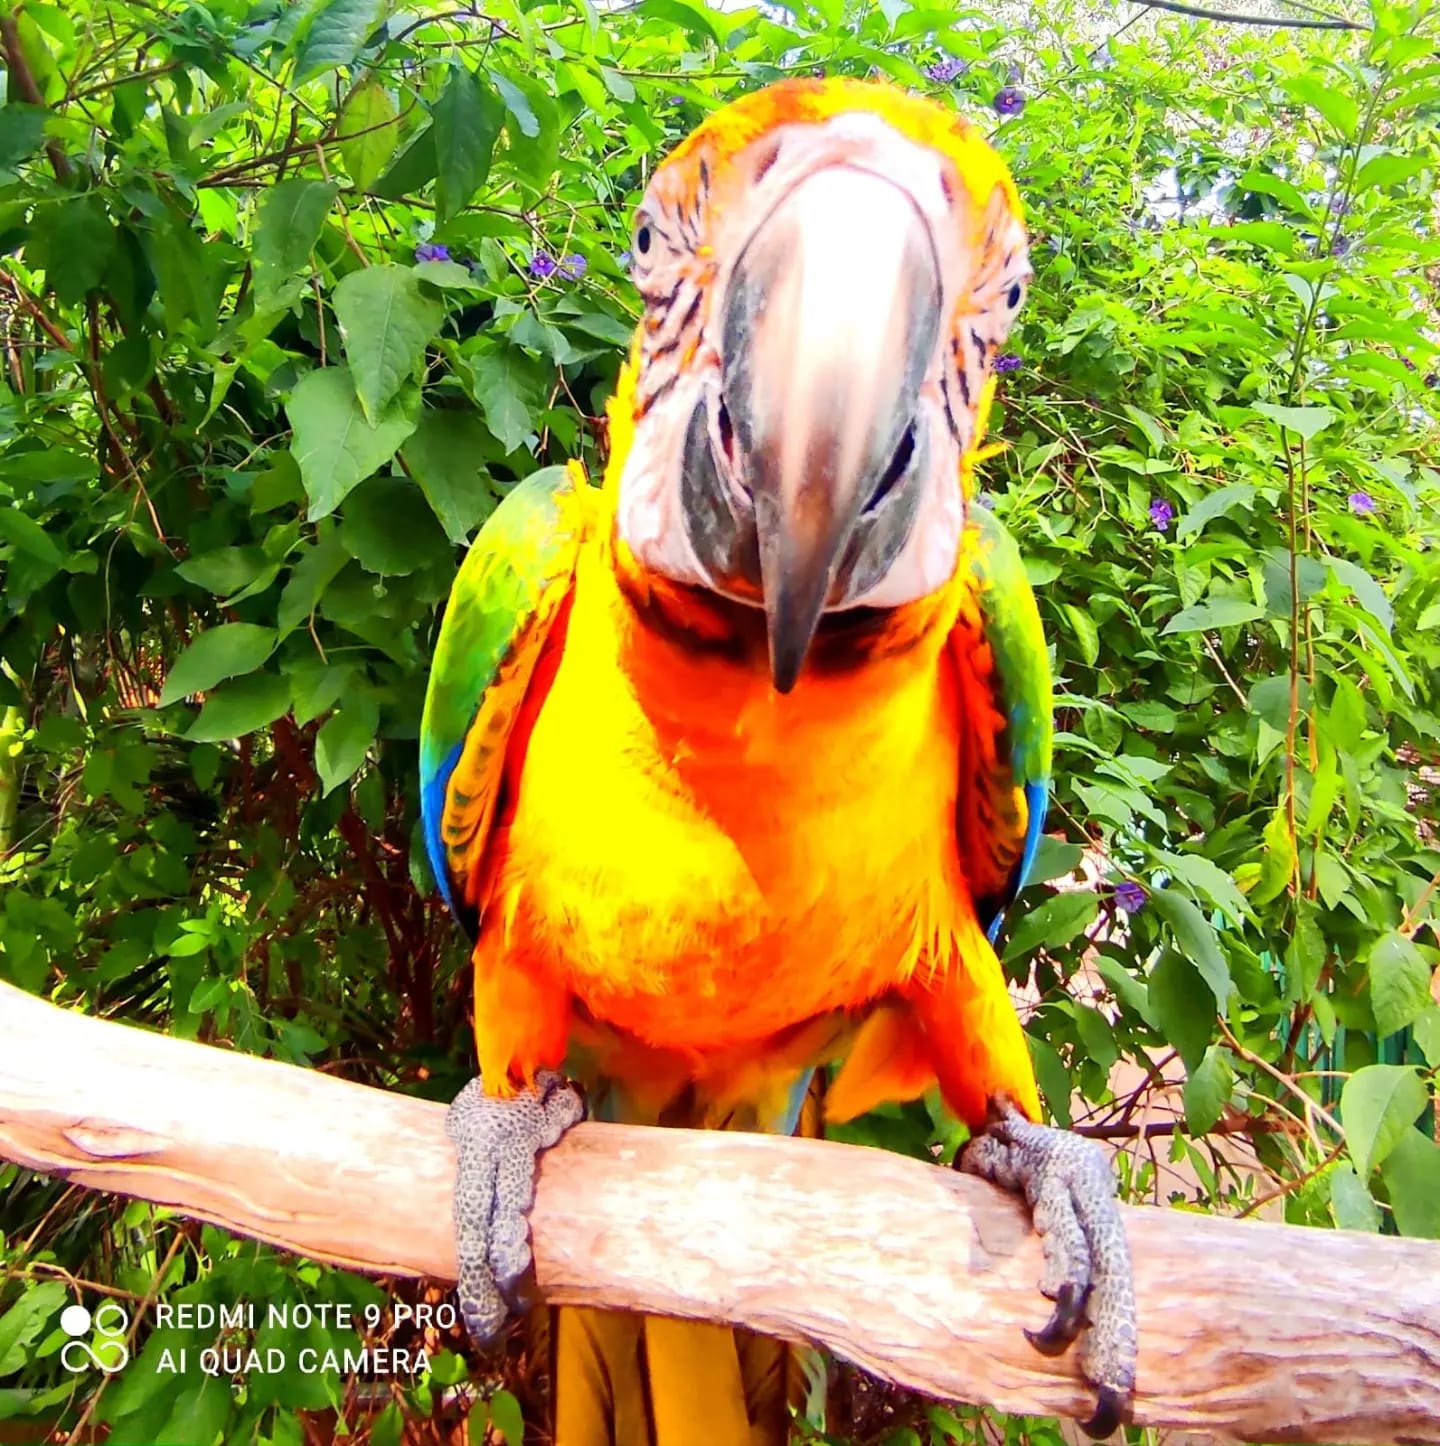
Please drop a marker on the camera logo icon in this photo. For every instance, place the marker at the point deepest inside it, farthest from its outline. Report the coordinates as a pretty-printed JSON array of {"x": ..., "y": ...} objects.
[{"x": 107, "y": 1351}]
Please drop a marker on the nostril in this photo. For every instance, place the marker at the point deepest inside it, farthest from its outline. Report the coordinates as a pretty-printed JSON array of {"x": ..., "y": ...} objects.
[
  {"x": 726, "y": 431},
  {"x": 899, "y": 465}
]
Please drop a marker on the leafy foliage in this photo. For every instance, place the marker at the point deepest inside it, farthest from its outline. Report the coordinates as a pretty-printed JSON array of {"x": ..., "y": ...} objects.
[{"x": 294, "y": 292}]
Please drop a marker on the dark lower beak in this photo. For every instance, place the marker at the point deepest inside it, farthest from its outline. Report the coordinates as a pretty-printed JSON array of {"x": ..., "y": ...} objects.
[{"x": 830, "y": 326}]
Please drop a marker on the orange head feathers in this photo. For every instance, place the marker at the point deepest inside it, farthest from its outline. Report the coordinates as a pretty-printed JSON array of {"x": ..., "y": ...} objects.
[{"x": 828, "y": 268}]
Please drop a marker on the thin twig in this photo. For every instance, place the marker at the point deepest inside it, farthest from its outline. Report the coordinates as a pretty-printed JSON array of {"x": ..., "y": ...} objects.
[{"x": 1282, "y": 22}]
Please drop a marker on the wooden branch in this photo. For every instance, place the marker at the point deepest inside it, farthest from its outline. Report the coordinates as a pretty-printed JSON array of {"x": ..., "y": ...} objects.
[{"x": 1262, "y": 1332}]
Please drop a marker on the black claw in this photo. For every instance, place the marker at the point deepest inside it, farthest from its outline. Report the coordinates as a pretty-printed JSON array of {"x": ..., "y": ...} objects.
[
  {"x": 1065, "y": 1323},
  {"x": 1111, "y": 1409},
  {"x": 519, "y": 1294}
]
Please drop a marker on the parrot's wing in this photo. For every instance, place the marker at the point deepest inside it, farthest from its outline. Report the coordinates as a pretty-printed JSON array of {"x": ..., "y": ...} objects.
[
  {"x": 514, "y": 584},
  {"x": 1006, "y": 703}
]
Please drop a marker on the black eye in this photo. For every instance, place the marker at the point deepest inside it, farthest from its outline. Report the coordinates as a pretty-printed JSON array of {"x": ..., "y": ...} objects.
[
  {"x": 1013, "y": 300},
  {"x": 642, "y": 240}
]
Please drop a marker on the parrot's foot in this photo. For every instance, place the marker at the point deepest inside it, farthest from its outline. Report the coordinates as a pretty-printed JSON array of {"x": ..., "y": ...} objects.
[
  {"x": 1071, "y": 1192},
  {"x": 497, "y": 1145}
]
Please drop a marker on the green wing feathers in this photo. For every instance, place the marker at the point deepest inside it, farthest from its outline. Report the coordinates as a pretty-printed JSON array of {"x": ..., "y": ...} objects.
[
  {"x": 999, "y": 650},
  {"x": 511, "y": 588}
]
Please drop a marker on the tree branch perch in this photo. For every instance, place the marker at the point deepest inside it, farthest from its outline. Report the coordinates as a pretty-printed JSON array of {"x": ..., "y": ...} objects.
[{"x": 1261, "y": 1332}]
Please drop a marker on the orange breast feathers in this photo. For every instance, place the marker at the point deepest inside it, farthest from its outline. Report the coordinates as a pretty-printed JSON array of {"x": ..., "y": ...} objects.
[{"x": 703, "y": 865}]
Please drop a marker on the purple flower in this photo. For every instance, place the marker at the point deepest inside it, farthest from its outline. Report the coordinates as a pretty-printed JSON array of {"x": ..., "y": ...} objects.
[
  {"x": 572, "y": 268},
  {"x": 944, "y": 71},
  {"x": 542, "y": 264},
  {"x": 1362, "y": 504},
  {"x": 1432, "y": 379},
  {"x": 1340, "y": 246},
  {"x": 428, "y": 251},
  {"x": 1130, "y": 896},
  {"x": 986, "y": 500},
  {"x": 1012, "y": 76},
  {"x": 1007, "y": 361},
  {"x": 1408, "y": 364},
  {"x": 1161, "y": 513},
  {"x": 625, "y": 260},
  {"x": 677, "y": 100},
  {"x": 1010, "y": 101}
]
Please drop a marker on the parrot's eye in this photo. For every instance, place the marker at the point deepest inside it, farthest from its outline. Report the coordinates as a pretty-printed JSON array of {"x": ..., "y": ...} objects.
[
  {"x": 642, "y": 240},
  {"x": 1016, "y": 292}
]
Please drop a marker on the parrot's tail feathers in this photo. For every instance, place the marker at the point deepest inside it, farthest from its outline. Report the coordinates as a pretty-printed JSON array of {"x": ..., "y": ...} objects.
[
  {"x": 888, "y": 1061},
  {"x": 653, "y": 1381}
]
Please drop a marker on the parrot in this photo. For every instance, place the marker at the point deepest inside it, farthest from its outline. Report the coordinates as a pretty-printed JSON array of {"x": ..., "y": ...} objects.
[{"x": 731, "y": 765}]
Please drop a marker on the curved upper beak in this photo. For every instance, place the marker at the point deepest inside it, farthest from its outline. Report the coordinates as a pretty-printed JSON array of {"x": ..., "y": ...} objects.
[{"x": 830, "y": 325}]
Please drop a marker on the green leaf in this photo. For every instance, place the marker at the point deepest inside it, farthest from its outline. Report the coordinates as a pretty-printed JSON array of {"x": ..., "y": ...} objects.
[
  {"x": 1087, "y": 635},
  {"x": 343, "y": 741},
  {"x": 1207, "y": 1090},
  {"x": 466, "y": 122},
  {"x": 1427, "y": 1035},
  {"x": 317, "y": 568},
  {"x": 241, "y": 707},
  {"x": 24, "y": 533},
  {"x": 1270, "y": 699},
  {"x": 1333, "y": 102},
  {"x": 1266, "y": 184},
  {"x": 388, "y": 1428},
  {"x": 1053, "y": 860},
  {"x": 517, "y": 103},
  {"x": 1153, "y": 717},
  {"x": 1196, "y": 935},
  {"x": 498, "y": 380},
  {"x": 22, "y": 129},
  {"x": 73, "y": 241},
  {"x": 334, "y": 36},
  {"x": 1411, "y": 1173},
  {"x": 1277, "y": 866},
  {"x": 200, "y": 1413},
  {"x": 1303, "y": 421},
  {"x": 506, "y": 1417},
  {"x": 21, "y": 1325},
  {"x": 1345, "y": 718},
  {"x": 1215, "y": 504},
  {"x": 386, "y": 320},
  {"x": 447, "y": 1368},
  {"x": 386, "y": 530},
  {"x": 1378, "y": 1104},
  {"x": 1154, "y": 435},
  {"x": 1351, "y": 1202},
  {"x": 287, "y": 227},
  {"x": 1399, "y": 976},
  {"x": 1052, "y": 1077},
  {"x": 335, "y": 445},
  {"x": 618, "y": 85},
  {"x": 218, "y": 653},
  {"x": 1368, "y": 593},
  {"x": 224, "y": 570},
  {"x": 412, "y": 170},
  {"x": 1052, "y": 924},
  {"x": 446, "y": 456},
  {"x": 1269, "y": 235},
  {"x": 1220, "y": 612},
  {"x": 1181, "y": 1005},
  {"x": 367, "y": 123},
  {"x": 1388, "y": 169}
]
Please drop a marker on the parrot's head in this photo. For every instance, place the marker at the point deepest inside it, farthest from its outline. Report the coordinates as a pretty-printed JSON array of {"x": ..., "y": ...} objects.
[{"x": 828, "y": 268}]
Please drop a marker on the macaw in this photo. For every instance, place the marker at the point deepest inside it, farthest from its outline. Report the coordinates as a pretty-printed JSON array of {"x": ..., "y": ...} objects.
[{"x": 731, "y": 765}]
